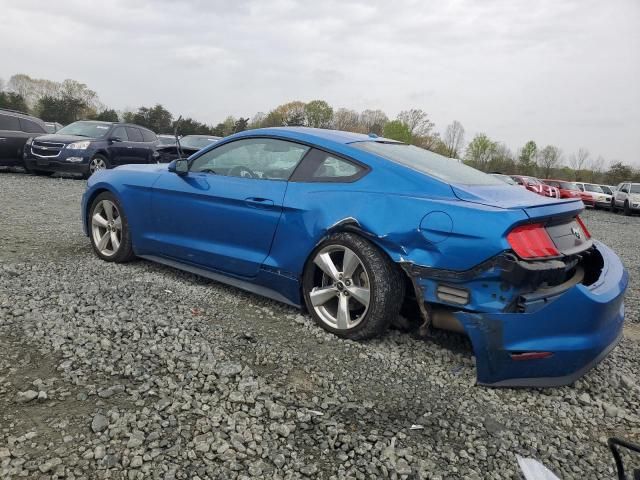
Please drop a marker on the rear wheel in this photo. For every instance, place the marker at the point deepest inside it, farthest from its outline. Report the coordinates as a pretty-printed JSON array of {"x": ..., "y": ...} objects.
[
  {"x": 98, "y": 162},
  {"x": 351, "y": 288},
  {"x": 110, "y": 235}
]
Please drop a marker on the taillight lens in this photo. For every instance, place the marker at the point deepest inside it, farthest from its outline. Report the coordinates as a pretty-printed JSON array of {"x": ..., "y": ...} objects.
[
  {"x": 583, "y": 227},
  {"x": 532, "y": 241}
]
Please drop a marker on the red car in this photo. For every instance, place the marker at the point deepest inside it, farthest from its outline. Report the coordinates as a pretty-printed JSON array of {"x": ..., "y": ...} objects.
[
  {"x": 536, "y": 186},
  {"x": 571, "y": 190}
]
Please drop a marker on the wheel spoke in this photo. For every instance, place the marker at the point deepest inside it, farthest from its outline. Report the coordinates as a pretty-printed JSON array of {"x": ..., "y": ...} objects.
[
  {"x": 320, "y": 296},
  {"x": 108, "y": 210},
  {"x": 99, "y": 220},
  {"x": 115, "y": 243},
  {"x": 350, "y": 263},
  {"x": 344, "y": 317},
  {"x": 361, "y": 294},
  {"x": 325, "y": 263},
  {"x": 118, "y": 223},
  {"x": 102, "y": 244}
]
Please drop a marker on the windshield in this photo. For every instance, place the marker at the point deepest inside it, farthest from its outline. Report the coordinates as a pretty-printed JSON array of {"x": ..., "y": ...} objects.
[
  {"x": 569, "y": 186},
  {"x": 592, "y": 188},
  {"x": 449, "y": 170},
  {"x": 85, "y": 129},
  {"x": 50, "y": 127},
  {"x": 635, "y": 188},
  {"x": 166, "y": 140},
  {"x": 197, "y": 142}
]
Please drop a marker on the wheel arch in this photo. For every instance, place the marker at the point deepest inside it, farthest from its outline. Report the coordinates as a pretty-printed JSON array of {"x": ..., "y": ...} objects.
[{"x": 90, "y": 199}]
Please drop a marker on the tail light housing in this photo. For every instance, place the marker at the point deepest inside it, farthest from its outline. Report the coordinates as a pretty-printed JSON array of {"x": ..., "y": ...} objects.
[
  {"x": 583, "y": 227},
  {"x": 532, "y": 241}
]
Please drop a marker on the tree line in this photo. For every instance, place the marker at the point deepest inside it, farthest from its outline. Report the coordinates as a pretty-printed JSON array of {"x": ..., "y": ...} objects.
[{"x": 69, "y": 100}]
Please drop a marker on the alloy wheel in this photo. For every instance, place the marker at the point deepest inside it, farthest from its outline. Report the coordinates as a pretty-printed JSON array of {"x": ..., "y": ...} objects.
[
  {"x": 97, "y": 164},
  {"x": 342, "y": 291},
  {"x": 106, "y": 228}
]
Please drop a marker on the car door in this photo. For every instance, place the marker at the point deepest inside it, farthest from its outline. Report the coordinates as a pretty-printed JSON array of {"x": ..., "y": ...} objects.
[
  {"x": 119, "y": 146},
  {"x": 137, "y": 147},
  {"x": 621, "y": 194},
  {"x": 222, "y": 215},
  {"x": 12, "y": 138}
]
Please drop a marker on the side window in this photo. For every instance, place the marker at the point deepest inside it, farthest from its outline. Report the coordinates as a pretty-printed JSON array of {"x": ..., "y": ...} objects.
[
  {"x": 148, "y": 136},
  {"x": 625, "y": 188},
  {"x": 121, "y": 133},
  {"x": 321, "y": 166},
  {"x": 266, "y": 158},
  {"x": 9, "y": 122},
  {"x": 581, "y": 187},
  {"x": 134, "y": 134},
  {"x": 30, "y": 126}
]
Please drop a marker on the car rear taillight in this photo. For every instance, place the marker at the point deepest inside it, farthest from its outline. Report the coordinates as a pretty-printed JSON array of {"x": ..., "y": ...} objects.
[
  {"x": 583, "y": 227},
  {"x": 532, "y": 241}
]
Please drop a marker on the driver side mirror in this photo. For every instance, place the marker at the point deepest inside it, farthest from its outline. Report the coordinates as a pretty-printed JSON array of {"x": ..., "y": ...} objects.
[{"x": 179, "y": 166}]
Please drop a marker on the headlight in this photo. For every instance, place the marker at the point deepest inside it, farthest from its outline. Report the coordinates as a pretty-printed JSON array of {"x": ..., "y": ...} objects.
[
  {"x": 79, "y": 145},
  {"x": 29, "y": 140}
]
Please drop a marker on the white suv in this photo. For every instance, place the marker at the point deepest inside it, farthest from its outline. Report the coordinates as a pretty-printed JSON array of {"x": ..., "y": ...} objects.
[{"x": 627, "y": 197}]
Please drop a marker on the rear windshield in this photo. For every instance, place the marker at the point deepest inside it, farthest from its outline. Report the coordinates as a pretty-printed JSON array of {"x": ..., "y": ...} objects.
[
  {"x": 449, "y": 170},
  {"x": 85, "y": 129},
  {"x": 592, "y": 188}
]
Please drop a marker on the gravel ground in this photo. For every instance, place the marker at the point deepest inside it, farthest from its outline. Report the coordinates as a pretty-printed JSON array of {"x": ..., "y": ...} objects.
[{"x": 139, "y": 371}]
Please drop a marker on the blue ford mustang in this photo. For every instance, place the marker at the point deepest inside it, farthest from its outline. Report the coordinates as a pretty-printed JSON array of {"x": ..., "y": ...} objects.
[{"x": 350, "y": 226}]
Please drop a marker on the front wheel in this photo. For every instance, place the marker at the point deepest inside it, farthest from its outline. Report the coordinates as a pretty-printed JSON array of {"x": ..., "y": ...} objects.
[
  {"x": 351, "y": 288},
  {"x": 613, "y": 205},
  {"x": 110, "y": 234},
  {"x": 98, "y": 162},
  {"x": 627, "y": 210}
]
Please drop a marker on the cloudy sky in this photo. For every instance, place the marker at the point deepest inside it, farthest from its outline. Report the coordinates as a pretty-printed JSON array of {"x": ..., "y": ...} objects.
[{"x": 559, "y": 72}]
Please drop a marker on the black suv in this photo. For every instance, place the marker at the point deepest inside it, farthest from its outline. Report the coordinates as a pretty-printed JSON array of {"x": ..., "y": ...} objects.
[
  {"x": 86, "y": 146},
  {"x": 15, "y": 128}
]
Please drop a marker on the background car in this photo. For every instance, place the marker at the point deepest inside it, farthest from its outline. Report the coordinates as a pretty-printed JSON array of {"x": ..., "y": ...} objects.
[
  {"x": 627, "y": 197},
  {"x": 536, "y": 186},
  {"x": 571, "y": 190},
  {"x": 166, "y": 139},
  {"x": 189, "y": 144},
  {"x": 52, "y": 127},
  {"x": 15, "y": 129},
  {"x": 87, "y": 146},
  {"x": 599, "y": 198},
  {"x": 505, "y": 178},
  {"x": 311, "y": 217}
]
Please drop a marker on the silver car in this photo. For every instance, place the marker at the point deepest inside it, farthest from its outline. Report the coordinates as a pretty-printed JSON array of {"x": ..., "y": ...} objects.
[
  {"x": 600, "y": 198},
  {"x": 627, "y": 197}
]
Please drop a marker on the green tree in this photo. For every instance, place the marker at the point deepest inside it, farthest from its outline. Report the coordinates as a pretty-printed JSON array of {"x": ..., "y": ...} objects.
[
  {"x": 318, "y": 114},
  {"x": 397, "y": 130},
  {"x": 60, "y": 109},
  {"x": 156, "y": 118},
  {"x": 527, "y": 158},
  {"x": 619, "y": 172},
  {"x": 106, "y": 115},
  {"x": 13, "y": 101},
  {"x": 241, "y": 125},
  {"x": 480, "y": 151},
  {"x": 291, "y": 114}
]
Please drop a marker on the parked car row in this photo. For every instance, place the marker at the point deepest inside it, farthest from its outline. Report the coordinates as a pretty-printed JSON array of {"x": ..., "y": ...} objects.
[{"x": 85, "y": 146}]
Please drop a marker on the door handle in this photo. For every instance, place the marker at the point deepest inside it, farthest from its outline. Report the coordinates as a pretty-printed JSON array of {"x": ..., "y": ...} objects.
[
  {"x": 258, "y": 202},
  {"x": 129, "y": 146}
]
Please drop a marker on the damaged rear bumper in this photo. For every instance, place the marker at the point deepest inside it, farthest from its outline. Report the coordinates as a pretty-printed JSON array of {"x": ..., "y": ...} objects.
[
  {"x": 578, "y": 327},
  {"x": 548, "y": 338}
]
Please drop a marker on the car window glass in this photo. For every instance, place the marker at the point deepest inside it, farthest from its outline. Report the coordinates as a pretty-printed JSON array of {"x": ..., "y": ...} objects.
[
  {"x": 265, "y": 158},
  {"x": 333, "y": 167},
  {"x": 31, "y": 126},
  {"x": 635, "y": 188},
  {"x": 121, "y": 133},
  {"x": 148, "y": 136},
  {"x": 134, "y": 134},
  {"x": 9, "y": 122}
]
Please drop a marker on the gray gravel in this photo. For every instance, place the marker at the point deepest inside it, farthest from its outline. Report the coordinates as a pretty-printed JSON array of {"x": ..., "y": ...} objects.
[{"x": 139, "y": 371}]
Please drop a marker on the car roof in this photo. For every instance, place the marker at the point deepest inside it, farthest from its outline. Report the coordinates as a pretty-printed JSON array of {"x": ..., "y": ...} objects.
[
  {"x": 18, "y": 113},
  {"x": 335, "y": 136},
  {"x": 202, "y": 136}
]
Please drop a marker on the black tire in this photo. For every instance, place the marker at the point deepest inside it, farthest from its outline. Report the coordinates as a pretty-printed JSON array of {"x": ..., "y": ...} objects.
[
  {"x": 627, "y": 210},
  {"x": 613, "y": 206},
  {"x": 124, "y": 252},
  {"x": 100, "y": 158},
  {"x": 386, "y": 286}
]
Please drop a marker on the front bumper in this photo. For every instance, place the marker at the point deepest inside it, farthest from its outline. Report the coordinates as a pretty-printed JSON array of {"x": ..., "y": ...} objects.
[
  {"x": 579, "y": 327},
  {"x": 73, "y": 161}
]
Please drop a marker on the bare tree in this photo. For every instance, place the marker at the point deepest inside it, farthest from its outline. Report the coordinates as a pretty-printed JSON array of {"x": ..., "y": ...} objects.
[
  {"x": 346, "y": 120},
  {"x": 578, "y": 160},
  {"x": 597, "y": 166},
  {"x": 418, "y": 122},
  {"x": 454, "y": 139},
  {"x": 549, "y": 158},
  {"x": 373, "y": 121}
]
